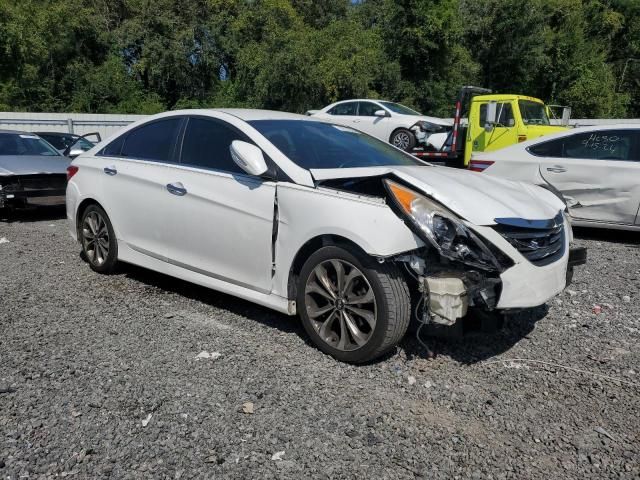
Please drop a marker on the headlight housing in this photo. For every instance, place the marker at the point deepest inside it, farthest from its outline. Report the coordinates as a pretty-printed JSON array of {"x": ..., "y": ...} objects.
[
  {"x": 443, "y": 229},
  {"x": 429, "y": 127}
]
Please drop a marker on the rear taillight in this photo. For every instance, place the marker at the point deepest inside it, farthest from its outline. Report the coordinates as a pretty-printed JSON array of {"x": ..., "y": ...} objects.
[
  {"x": 71, "y": 171},
  {"x": 480, "y": 165}
]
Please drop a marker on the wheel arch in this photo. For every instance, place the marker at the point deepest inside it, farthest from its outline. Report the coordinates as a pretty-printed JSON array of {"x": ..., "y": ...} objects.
[
  {"x": 82, "y": 206},
  {"x": 309, "y": 248},
  {"x": 395, "y": 130}
]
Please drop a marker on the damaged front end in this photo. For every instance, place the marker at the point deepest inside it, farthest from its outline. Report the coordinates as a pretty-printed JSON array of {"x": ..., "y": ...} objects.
[
  {"x": 457, "y": 269},
  {"x": 17, "y": 191}
]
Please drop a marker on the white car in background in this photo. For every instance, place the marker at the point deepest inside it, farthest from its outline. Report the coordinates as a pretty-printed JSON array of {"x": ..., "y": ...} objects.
[
  {"x": 595, "y": 169},
  {"x": 388, "y": 121},
  {"x": 317, "y": 219}
]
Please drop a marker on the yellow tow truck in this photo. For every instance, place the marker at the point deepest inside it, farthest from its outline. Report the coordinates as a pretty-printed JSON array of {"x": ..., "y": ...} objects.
[{"x": 484, "y": 121}]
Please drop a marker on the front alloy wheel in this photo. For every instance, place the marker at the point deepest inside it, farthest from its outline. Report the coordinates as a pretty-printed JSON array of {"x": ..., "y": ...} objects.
[
  {"x": 340, "y": 304},
  {"x": 351, "y": 306},
  {"x": 403, "y": 139}
]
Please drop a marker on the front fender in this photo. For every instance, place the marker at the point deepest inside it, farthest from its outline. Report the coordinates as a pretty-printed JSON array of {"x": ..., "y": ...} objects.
[{"x": 306, "y": 213}]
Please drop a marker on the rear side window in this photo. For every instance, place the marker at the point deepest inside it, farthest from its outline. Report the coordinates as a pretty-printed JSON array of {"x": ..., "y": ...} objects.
[
  {"x": 596, "y": 145},
  {"x": 547, "y": 149},
  {"x": 153, "y": 141},
  {"x": 349, "y": 108},
  {"x": 114, "y": 148},
  {"x": 206, "y": 144}
]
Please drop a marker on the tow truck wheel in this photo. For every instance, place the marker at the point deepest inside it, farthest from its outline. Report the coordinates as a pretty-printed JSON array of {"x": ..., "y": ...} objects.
[{"x": 403, "y": 139}]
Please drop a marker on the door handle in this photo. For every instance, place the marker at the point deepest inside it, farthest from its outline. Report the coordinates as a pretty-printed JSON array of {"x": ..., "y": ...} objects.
[
  {"x": 177, "y": 189},
  {"x": 356, "y": 121},
  {"x": 556, "y": 169},
  {"x": 110, "y": 170}
]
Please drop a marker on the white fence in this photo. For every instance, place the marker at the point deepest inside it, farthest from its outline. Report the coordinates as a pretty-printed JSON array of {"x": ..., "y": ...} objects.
[
  {"x": 79, "y": 123},
  {"x": 107, "y": 124}
]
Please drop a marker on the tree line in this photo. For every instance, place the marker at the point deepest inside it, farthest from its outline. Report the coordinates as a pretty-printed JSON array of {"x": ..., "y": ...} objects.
[{"x": 147, "y": 56}]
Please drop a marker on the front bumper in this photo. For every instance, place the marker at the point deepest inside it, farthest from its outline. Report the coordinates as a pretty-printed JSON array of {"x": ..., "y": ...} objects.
[
  {"x": 525, "y": 285},
  {"x": 23, "y": 190}
]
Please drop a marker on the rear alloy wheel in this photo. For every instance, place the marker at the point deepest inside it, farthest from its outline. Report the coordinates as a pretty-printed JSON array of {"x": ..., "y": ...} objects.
[
  {"x": 352, "y": 307},
  {"x": 98, "y": 240},
  {"x": 403, "y": 139}
]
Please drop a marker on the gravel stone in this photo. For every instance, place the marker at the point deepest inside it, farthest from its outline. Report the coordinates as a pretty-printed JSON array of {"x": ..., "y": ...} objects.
[{"x": 106, "y": 347}]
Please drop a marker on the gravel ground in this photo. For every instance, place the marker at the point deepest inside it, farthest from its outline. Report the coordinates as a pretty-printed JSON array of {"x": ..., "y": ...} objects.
[{"x": 99, "y": 378}]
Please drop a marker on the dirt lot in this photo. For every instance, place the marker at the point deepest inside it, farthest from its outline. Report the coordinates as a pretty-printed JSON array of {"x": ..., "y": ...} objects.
[{"x": 99, "y": 378}]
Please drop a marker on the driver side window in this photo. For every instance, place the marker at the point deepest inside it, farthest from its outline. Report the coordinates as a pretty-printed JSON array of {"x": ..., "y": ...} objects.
[{"x": 368, "y": 109}]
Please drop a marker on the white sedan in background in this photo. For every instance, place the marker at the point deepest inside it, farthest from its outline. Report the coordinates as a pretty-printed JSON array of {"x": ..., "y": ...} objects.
[
  {"x": 388, "y": 121},
  {"x": 595, "y": 169},
  {"x": 318, "y": 219}
]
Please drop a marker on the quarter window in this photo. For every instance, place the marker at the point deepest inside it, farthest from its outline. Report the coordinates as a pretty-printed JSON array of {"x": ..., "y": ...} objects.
[
  {"x": 114, "y": 148},
  {"x": 349, "y": 108},
  {"x": 206, "y": 144},
  {"x": 153, "y": 141}
]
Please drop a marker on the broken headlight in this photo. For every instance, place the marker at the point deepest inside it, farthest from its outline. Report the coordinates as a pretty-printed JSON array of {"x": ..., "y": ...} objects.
[{"x": 442, "y": 228}]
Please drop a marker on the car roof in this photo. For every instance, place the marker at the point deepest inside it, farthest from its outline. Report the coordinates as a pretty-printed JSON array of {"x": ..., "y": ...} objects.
[
  {"x": 363, "y": 100},
  {"x": 248, "y": 114},
  {"x": 60, "y": 134}
]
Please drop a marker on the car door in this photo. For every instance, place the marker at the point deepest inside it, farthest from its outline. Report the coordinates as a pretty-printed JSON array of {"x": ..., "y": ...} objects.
[
  {"x": 598, "y": 172},
  {"x": 133, "y": 172},
  {"x": 220, "y": 220},
  {"x": 345, "y": 114},
  {"x": 368, "y": 122},
  {"x": 487, "y": 138}
]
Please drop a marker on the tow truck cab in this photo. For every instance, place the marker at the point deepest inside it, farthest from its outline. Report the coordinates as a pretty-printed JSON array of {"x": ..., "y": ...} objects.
[
  {"x": 484, "y": 121},
  {"x": 517, "y": 118}
]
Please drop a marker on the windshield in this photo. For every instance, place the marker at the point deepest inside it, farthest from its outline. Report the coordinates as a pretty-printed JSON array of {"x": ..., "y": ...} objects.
[
  {"x": 25, "y": 144},
  {"x": 62, "y": 142},
  {"x": 533, "y": 113},
  {"x": 322, "y": 145},
  {"x": 397, "y": 108}
]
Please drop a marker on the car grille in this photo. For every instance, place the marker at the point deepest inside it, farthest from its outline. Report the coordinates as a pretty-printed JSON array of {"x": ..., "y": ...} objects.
[
  {"x": 539, "y": 241},
  {"x": 20, "y": 183}
]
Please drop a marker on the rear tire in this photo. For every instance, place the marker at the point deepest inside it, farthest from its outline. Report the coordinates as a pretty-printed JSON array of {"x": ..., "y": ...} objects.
[
  {"x": 403, "y": 139},
  {"x": 99, "y": 244},
  {"x": 352, "y": 307}
]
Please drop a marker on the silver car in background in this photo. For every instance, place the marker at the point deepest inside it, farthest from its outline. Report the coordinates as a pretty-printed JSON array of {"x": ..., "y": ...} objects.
[{"x": 32, "y": 172}]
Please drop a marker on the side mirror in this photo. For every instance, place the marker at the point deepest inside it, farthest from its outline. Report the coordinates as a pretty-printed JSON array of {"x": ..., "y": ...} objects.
[
  {"x": 75, "y": 152},
  {"x": 248, "y": 157},
  {"x": 566, "y": 115},
  {"x": 492, "y": 115},
  {"x": 381, "y": 113}
]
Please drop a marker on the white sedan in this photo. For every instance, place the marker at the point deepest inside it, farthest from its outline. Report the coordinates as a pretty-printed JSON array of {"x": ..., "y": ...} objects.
[
  {"x": 316, "y": 219},
  {"x": 388, "y": 121},
  {"x": 595, "y": 169}
]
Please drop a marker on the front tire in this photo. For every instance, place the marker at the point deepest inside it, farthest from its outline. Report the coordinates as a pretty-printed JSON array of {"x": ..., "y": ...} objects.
[
  {"x": 352, "y": 307},
  {"x": 403, "y": 139},
  {"x": 99, "y": 244}
]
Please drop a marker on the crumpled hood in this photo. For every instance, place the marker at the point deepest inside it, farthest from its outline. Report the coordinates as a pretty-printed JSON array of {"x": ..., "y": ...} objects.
[
  {"x": 476, "y": 197},
  {"x": 426, "y": 118},
  {"x": 32, "y": 164}
]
